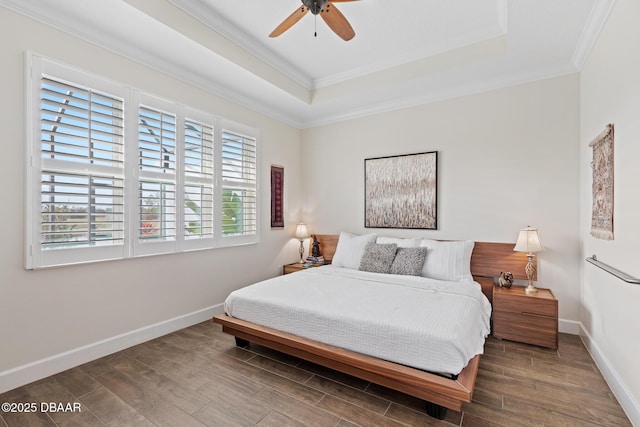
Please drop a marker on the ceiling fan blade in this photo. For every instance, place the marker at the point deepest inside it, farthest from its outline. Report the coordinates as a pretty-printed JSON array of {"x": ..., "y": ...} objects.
[
  {"x": 340, "y": 1},
  {"x": 288, "y": 23},
  {"x": 337, "y": 22}
]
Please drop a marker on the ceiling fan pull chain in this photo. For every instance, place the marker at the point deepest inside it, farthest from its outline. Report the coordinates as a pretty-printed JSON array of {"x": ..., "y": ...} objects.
[{"x": 315, "y": 26}]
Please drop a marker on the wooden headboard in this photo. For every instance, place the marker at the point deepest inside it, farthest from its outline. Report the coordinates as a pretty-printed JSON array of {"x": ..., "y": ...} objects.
[
  {"x": 488, "y": 260},
  {"x": 328, "y": 244}
]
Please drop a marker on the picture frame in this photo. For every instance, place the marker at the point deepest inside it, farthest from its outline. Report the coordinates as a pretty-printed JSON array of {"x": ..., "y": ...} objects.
[{"x": 401, "y": 191}]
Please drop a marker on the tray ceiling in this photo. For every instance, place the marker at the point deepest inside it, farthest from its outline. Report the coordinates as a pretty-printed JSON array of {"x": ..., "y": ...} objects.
[{"x": 405, "y": 52}]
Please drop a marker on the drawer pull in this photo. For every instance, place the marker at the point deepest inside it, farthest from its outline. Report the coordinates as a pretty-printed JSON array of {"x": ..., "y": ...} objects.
[{"x": 524, "y": 313}]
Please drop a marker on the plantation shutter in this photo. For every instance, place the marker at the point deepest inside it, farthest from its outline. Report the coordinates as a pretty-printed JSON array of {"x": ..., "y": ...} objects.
[
  {"x": 115, "y": 173},
  {"x": 82, "y": 160},
  {"x": 198, "y": 179},
  {"x": 157, "y": 175},
  {"x": 239, "y": 201}
]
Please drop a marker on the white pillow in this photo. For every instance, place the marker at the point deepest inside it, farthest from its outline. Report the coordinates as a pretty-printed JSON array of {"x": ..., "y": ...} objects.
[
  {"x": 402, "y": 243},
  {"x": 350, "y": 249},
  {"x": 448, "y": 260}
]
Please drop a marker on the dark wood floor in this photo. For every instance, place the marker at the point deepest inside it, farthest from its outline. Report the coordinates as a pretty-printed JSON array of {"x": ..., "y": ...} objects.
[{"x": 197, "y": 377}]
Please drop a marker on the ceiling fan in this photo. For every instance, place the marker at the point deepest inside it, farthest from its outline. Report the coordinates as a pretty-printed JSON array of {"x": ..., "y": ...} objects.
[{"x": 327, "y": 11}]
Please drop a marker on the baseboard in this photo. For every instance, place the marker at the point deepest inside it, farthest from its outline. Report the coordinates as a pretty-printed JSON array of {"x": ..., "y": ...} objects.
[
  {"x": 629, "y": 404},
  {"x": 43, "y": 368},
  {"x": 569, "y": 327}
]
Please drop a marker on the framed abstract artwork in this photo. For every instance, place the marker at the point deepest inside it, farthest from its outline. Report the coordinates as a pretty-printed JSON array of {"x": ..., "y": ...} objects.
[
  {"x": 401, "y": 191},
  {"x": 277, "y": 199}
]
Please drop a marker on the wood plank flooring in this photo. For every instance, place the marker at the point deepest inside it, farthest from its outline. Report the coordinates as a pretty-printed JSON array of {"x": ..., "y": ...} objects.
[{"x": 198, "y": 377}]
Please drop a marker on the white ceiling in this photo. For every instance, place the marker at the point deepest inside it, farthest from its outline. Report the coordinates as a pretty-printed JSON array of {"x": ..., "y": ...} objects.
[{"x": 405, "y": 52}]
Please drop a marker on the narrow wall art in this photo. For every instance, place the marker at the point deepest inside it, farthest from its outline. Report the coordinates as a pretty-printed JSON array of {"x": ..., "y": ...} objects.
[
  {"x": 277, "y": 199},
  {"x": 602, "y": 185},
  {"x": 401, "y": 191}
]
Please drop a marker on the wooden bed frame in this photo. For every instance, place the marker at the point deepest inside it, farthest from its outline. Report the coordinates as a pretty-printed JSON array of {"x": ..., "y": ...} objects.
[{"x": 440, "y": 393}]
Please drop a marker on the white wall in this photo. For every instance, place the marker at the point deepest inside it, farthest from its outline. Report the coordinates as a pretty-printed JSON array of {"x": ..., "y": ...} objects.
[
  {"x": 46, "y": 313},
  {"x": 610, "y": 93},
  {"x": 506, "y": 159}
]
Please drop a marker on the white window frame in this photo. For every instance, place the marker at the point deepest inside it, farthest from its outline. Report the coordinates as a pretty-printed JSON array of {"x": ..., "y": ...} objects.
[
  {"x": 248, "y": 132},
  {"x": 214, "y": 240},
  {"x": 36, "y": 257},
  {"x": 142, "y": 248}
]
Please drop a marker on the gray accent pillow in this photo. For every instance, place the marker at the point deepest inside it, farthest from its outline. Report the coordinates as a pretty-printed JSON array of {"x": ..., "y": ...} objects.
[
  {"x": 409, "y": 261},
  {"x": 377, "y": 258}
]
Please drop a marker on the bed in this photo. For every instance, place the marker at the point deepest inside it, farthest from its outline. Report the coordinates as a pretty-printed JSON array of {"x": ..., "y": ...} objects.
[{"x": 270, "y": 314}]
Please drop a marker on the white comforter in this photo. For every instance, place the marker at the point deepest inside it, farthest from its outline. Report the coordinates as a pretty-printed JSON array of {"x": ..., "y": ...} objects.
[{"x": 428, "y": 324}]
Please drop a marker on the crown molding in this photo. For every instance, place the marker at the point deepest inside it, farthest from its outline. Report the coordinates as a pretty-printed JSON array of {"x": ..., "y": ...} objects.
[
  {"x": 428, "y": 51},
  {"x": 292, "y": 111},
  {"x": 407, "y": 58},
  {"x": 596, "y": 21},
  {"x": 204, "y": 14},
  {"x": 447, "y": 93},
  {"x": 55, "y": 17}
]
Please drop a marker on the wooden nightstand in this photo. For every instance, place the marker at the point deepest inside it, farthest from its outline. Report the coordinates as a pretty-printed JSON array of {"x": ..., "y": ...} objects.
[
  {"x": 527, "y": 318},
  {"x": 296, "y": 266},
  {"x": 292, "y": 268}
]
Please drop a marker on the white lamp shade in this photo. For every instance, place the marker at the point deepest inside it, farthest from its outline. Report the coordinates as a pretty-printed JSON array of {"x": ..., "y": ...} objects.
[
  {"x": 528, "y": 241},
  {"x": 301, "y": 231}
]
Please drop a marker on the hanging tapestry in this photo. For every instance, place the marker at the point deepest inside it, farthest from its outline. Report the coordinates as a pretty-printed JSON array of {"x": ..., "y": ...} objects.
[
  {"x": 602, "y": 186},
  {"x": 277, "y": 185}
]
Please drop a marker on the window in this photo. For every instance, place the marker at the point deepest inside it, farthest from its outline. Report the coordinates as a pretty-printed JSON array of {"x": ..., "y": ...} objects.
[
  {"x": 80, "y": 128},
  {"x": 157, "y": 183},
  {"x": 239, "y": 210},
  {"x": 116, "y": 173},
  {"x": 198, "y": 177}
]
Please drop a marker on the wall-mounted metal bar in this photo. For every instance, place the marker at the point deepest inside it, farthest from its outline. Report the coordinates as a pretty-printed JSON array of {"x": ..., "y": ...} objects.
[{"x": 619, "y": 274}]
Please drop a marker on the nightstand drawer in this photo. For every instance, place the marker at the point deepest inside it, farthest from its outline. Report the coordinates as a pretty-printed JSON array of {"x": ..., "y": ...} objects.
[
  {"x": 292, "y": 268},
  {"x": 528, "y": 329},
  {"x": 525, "y": 305},
  {"x": 296, "y": 266},
  {"x": 525, "y": 320}
]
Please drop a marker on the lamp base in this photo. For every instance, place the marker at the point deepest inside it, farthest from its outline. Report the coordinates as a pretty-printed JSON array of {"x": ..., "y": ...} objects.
[
  {"x": 530, "y": 269},
  {"x": 301, "y": 251}
]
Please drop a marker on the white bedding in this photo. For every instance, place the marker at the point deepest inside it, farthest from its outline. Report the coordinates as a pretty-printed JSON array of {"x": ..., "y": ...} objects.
[{"x": 424, "y": 323}]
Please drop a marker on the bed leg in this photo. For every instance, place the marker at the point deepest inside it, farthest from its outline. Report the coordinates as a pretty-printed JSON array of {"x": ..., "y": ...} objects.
[
  {"x": 436, "y": 411},
  {"x": 241, "y": 343}
]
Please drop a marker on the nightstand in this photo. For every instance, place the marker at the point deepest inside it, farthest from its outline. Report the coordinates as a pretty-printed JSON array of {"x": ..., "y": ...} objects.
[
  {"x": 292, "y": 268},
  {"x": 296, "y": 266},
  {"x": 527, "y": 318}
]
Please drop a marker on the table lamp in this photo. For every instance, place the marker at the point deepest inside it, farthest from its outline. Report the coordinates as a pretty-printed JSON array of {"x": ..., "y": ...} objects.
[
  {"x": 301, "y": 234},
  {"x": 528, "y": 241}
]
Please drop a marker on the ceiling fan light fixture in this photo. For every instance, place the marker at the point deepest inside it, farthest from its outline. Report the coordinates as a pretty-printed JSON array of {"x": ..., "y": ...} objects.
[
  {"x": 315, "y": 6},
  {"x": 332, "y": 16}
]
